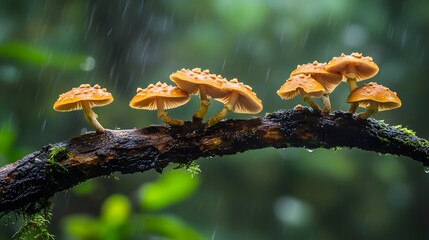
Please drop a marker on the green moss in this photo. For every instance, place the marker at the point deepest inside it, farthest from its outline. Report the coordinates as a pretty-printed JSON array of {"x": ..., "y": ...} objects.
[
  {"x": 405, "y": 130},
  {"x": 409, "y": 132},
  {"x": 383, "y": 139},
  {"x": 193, "y": 168},
  {"x": 35, "y": 227},
  {"x": 423, "y": 142},
  {"x": 52, "y": 162},
  {"x": 336, "y": 148},
  {"x": 406, "y": 142},
  {"x": 35, "y": 218}
]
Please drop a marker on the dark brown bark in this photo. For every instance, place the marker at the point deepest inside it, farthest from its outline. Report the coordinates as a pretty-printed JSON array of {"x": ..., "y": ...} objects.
[{"x": 34, "y": 179}]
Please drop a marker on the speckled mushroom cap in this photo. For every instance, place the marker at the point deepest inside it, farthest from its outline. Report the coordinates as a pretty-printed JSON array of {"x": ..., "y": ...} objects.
[
  {"x": 190, "y": 81},
  {"x": 329, "y": 80},
  {"x": 71, "y": 100},
  {"x": 373, "y": 92},
  {"x": 353, "y": 66},
  {"x": 301, "y": 84},
  {"x": 247, "y": 101},
  {"x": 169, "y": 96}
]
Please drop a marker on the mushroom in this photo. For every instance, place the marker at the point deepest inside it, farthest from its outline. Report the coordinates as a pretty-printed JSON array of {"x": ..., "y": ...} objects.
[
  {"x": 194, "y": 81},
  {"x": 305, "y": 85},
  {"x": 160, "y": 96},
  {"x": 329, "y": 80},
  {"x": 355, "y": 68},
  {"x": 238, "y": 98},
  {"x": 374, "y": 98},
  {"x": 85, "y": 97}
]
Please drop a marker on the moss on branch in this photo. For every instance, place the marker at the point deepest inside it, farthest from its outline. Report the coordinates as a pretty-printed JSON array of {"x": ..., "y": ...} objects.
[{"x": 38, "y": 176}]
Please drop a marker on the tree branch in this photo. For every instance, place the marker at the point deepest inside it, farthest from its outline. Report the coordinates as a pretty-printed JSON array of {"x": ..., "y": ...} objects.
[{"x": 38, "y": 176}]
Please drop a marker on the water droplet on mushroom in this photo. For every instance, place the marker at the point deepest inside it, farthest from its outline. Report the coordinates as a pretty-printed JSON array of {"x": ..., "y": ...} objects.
[{"x": 426, "y": 169}]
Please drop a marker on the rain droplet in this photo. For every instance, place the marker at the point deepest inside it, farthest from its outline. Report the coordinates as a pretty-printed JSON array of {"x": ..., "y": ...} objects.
[
  {"x": 426, "y": 169},
  {"x": 88, "y": 65}
]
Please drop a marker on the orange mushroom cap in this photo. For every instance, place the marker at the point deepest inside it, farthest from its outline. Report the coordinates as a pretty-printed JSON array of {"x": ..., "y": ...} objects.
[
  {"x": 191, "y": 80},
  {"x": 353, "y": 66},
  {"x": 71, "y": 100},
  {"x": 329, "y": 80},
  {"x": 169, "y": 96},
  {"x": 247, "y": 101},
  {"x": 373, "y": 92},
  {"x": 301, "y": 84}
]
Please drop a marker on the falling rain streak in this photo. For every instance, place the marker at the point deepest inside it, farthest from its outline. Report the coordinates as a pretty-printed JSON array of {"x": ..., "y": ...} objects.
[{"x": 50, "y": 46}]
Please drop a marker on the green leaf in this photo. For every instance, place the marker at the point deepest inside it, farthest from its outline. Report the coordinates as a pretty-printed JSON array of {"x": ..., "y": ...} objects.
[
  {"x": 81, "y": 227},
  {"x": 85, "y": 188},
  {"x": 115, "y": 210},
  {"x": 169, "y": 227},
  {"x": 45, "y": 57},
  {"x": 170, "y": 188}
]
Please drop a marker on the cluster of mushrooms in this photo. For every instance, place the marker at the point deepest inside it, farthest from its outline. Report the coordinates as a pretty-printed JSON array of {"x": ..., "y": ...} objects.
[
  {"x": 312, "y": 80},
  {"x": 318, "y": 80},
  {"x": 236, "y": 97}
]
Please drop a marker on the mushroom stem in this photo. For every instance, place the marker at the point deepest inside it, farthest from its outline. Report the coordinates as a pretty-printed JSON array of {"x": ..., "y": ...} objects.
[
  {"x": 227, "y": 107},
  {"x": 204, "y": 105},
  {"x": 352, "y": 83},
  {"x": 203, "y": 94},
  {"x": 353, "y": 107},
  {"x": 326, "y": 103},
  {"x": 372, "y": 109},
  {"x": 353, "y": 86},
  {"x": 91, "y": 117},
  {"x": 311, "y": 103},
  {"x": 216, "y": 118},
  {"x": 163, "y": 115},
  {"x": 202, "y": 111}
]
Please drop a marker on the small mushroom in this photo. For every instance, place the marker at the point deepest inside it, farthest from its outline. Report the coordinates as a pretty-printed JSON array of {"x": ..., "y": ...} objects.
[
  {"x": 160, "y": 97},
  {"x": 194, "y": 81},
  {"x": 374, "y": 98},
  {"x": 84, "y": 97},
  {"x": 329, "y": 80},
  {"x": 355, "y": 68},
  {"x": 238, "y": 98},
  {"x": 305, "y": 85}
]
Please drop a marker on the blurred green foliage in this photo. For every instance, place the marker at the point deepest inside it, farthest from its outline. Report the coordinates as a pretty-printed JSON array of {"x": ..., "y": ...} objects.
[
  {"x": 170, "y": 188},
  {"x": 117, "y": 219},
  {"x": 48, "y": 47},
  {"x": 168, "y": 227},
  {"x": 45, "y": 57}
]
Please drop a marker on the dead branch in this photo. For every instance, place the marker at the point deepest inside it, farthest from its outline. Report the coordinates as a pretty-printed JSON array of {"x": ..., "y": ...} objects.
[{"x": 56, "y": 167}]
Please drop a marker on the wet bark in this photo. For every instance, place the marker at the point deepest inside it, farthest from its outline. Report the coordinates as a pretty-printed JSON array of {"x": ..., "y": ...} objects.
[{"x": 56, "y": 167}]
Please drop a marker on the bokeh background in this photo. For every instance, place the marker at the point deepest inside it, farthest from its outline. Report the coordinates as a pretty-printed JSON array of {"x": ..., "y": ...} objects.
[{"x": 48, "y": 47}]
